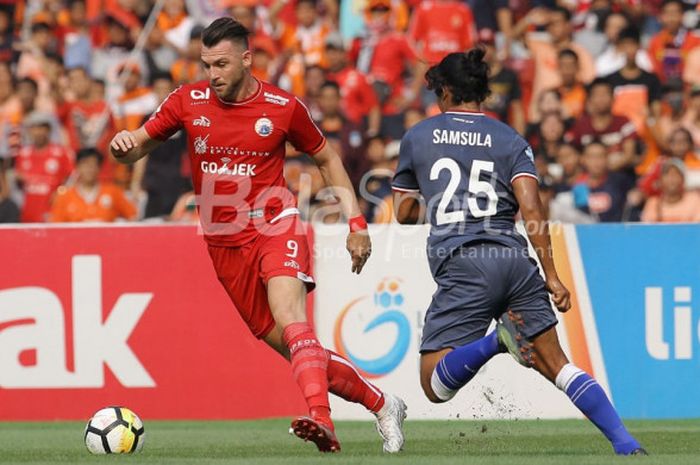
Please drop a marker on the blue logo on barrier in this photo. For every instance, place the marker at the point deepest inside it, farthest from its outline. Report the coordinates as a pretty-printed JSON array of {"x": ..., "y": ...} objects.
[{"x": 389, "y": 300}]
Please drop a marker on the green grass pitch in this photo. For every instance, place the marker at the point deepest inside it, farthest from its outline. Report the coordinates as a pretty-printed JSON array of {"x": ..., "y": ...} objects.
[{"x": 267, "y": 442}]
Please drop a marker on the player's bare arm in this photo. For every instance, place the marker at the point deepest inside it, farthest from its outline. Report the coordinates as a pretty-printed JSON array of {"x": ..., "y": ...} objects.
[
  {"x": 527, "y": 193},
  {"x": 335, "y": 176},
  {"x": 407, "y": 207},
  {"x": 130, "y": 146}
]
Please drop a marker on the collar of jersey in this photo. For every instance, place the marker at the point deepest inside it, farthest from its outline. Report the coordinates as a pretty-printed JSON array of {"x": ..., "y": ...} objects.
[
  {"x": 248, "y": 100},
  {"x": 465, "y": 112}
]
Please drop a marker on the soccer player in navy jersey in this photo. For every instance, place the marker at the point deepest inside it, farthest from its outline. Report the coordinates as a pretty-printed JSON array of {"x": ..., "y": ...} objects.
[
  {"x": 237, "y": 128},
  {"x": 474, "y": 174}
]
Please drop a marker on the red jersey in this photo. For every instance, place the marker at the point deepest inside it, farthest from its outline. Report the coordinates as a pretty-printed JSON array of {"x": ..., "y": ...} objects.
[
  {"x": 618, "y": 131},
  {"x": 392, "y": 54},
  {"x": 237, "y": 155},
  {"x": 42, "y": 172},
  {"x": 90, "y": 124},
  {"x": 358, "y": 96},
  {"x": 390, "y": 57},
  {"x": 441, "y": 28}
]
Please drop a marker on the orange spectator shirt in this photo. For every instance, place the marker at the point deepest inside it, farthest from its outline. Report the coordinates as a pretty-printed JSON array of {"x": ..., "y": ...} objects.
[
  {"x": 547, "y": 75},
  {"x": 669, "y": 53},
  {"x": 573, "y": 100},
  {"x": 310, "y": 42},
  {"x": 685, "y": 211},
  {"x": 441, "y": 28},
  {"x": 184, "y": 71},
  {"x": 132, "y": 107},
  {"x": 108, "y": 205}
]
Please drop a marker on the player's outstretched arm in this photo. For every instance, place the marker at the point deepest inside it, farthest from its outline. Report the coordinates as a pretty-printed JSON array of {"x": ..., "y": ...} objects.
[
  {"x": 130, "y": 146},
  {"x": 335, "y": 176},
  {"x": 407, "y": 208},
  {"x": 528, "y": 196}
]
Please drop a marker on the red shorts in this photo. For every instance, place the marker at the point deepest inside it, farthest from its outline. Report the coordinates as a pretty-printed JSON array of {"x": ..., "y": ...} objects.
[{"x": 244, "y": 271}]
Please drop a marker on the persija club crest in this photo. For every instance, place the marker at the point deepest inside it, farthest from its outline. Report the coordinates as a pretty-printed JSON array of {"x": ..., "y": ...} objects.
[{"x": 263, "y": 127}]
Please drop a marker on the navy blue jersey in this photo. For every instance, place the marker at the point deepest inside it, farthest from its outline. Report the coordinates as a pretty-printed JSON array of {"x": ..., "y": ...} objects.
[{"x": 463, "y": 164}]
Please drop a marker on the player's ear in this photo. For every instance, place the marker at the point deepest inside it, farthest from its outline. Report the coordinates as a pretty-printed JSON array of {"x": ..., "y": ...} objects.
[
  {"x": 444, "y": 99},
  {"x": 247, "y": 59}
]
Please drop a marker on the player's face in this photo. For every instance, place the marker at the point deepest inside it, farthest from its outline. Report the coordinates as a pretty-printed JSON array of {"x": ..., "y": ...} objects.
[{"x": 225, "y": 64}]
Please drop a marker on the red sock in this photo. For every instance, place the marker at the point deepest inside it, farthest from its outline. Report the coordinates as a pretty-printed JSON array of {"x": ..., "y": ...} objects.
[
  {"x": 309, "y": 366},
  {"x": 344, "y": 381}
]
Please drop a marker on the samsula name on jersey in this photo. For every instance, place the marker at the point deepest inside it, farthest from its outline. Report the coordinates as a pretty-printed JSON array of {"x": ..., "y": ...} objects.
[{"x": 476, "y": 139}]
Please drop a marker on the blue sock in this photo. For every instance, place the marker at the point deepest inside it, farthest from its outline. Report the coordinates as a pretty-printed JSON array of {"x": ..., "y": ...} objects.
[
  {"x": 591, "y": 400},
  {"x": 456, "y": 368}
]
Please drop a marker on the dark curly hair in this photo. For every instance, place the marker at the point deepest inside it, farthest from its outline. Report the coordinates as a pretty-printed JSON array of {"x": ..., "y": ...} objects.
[{"x": 466, "y": 75}]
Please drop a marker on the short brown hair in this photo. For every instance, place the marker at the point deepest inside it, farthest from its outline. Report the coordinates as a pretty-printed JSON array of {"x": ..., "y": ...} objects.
[{"x": 225, "y": 28}]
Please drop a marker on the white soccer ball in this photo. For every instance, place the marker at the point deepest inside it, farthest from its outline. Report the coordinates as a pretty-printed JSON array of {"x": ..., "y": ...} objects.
[{"x": 114, "y": 430}]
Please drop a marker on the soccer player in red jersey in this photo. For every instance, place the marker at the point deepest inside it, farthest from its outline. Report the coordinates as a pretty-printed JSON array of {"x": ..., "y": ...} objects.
[{"x": 237, "y": 127}]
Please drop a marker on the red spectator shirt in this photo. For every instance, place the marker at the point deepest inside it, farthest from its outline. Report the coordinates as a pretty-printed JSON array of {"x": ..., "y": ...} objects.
[
  {"x": 358, "y": 96},
  {"x": 390, "y": 57},
  {"x": 613, "y": 136},
  {"x": 237, "y": 152},
  {"x": 42, "y": 172},
  {"x": 443, "y": 27},
  {"x": 89, "y": 124}
]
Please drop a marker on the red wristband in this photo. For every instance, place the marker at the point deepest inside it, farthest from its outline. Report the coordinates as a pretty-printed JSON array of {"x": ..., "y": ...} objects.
[{"x": 357, "y": 223}]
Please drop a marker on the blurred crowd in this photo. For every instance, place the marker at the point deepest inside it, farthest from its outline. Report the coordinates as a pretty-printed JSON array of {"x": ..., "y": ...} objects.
[{"x": 607, "y": 92}]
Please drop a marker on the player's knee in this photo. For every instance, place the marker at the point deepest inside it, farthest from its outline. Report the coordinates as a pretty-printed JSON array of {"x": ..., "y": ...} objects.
[
  {"x": 549, "y": 364},
  {"x": 287, "y": 313},
  {"x": 428, "y": 391}
]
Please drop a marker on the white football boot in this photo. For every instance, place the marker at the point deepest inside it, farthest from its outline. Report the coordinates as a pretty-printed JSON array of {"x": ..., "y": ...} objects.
[{"x": 390, "y": 423}]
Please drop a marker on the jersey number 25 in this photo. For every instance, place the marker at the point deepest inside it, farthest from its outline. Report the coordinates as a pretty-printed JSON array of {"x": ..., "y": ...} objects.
[{"x": 475, "y": 187}]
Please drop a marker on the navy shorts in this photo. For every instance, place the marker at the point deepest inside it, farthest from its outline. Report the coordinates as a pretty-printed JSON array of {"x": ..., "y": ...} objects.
[{"x": 475, "y": 286}]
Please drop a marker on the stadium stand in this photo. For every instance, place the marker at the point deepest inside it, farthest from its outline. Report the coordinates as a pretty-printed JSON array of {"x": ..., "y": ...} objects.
[{"x": 606, "y": 92}]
